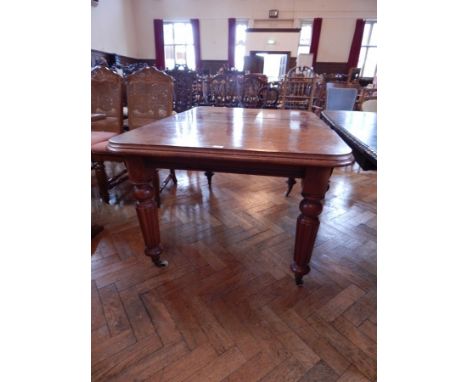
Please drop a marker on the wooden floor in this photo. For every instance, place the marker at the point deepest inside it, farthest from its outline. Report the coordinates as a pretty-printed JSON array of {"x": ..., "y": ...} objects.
[{"x": 227, "y": 308}]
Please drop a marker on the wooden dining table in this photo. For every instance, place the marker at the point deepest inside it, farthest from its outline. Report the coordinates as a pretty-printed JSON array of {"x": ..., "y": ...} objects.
[
  {"x": 283, "y": 143},
  {"x": 359, "y": 130}
]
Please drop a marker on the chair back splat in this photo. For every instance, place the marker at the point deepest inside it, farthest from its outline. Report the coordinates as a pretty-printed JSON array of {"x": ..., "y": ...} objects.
[
  {"x": 184, "y": 82},
  {"x": 149, "y": 96},
  {"x": 107, "y": 99}
]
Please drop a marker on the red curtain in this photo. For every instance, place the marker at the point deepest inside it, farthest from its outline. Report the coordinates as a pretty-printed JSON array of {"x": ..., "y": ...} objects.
[
  {"x": 316, "y": 28},
  {"x": 231, "y": 42},
  {"x": 196, "y": 42},
  {"x": 159, "y": 44},
  {"x": 356, "y": 44}
]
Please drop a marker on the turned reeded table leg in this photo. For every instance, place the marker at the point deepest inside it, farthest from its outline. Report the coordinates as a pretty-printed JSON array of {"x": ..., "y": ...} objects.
[
  {"x": 146, "y": 208},
  {"x": 314, "y": 187}
]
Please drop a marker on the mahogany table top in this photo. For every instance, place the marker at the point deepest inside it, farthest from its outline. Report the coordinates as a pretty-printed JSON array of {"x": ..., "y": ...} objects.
[{"x": 264, "y": 135}]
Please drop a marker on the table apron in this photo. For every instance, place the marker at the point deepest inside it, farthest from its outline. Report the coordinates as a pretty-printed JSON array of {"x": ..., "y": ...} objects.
[{"x": 247, "y": 167}]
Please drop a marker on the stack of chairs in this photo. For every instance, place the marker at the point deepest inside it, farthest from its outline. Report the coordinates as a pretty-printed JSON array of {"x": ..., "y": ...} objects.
[{"x": 297, "y": 89}]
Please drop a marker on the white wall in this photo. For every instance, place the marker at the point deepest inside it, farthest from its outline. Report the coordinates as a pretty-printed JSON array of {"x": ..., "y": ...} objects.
[
  {"x": 113, "y": 27},
  {"x": 214, "y": 39},
  {"x": 284, "y": 41},
  {"x": 335, "y": 40},
  {"x": 339, "y": 17}
]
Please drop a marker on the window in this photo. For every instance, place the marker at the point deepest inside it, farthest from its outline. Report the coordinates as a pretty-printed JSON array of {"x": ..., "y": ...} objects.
[
  {"x": 368, "y": 53},
  {"x": 305, "y": 38},
  {"x": 241, "y": 38},
  {"x": 178, "y": 44}
]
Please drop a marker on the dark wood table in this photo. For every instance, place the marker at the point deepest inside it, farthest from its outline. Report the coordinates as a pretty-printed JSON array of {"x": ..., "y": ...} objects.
[
  {"x": 283, "y": 143},
  {"x": 359, "y": 130}
]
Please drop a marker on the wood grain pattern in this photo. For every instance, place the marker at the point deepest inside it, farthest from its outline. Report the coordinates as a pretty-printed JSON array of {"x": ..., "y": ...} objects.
[
  {"x": 273, "y": 136},
  {"x": 225, "y": 309}
]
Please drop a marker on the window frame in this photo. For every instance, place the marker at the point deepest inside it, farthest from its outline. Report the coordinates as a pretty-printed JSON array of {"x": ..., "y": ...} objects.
[
  {"x": 174, "y": 44},
  {"x": 240, "y": 65},
  {"x": 305, "y": 22},
  {"x": 366, "y": 45}
]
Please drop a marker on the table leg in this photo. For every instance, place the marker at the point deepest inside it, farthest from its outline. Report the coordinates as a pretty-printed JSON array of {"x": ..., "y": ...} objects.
[
  {"x": 141, "y": 177},
  {"x": 314, "y": 187}
]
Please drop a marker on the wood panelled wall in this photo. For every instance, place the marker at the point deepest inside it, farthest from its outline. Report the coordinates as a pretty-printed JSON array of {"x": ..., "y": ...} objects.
[
  {"x": 209, "y": 66},
  {"x": 113, "y": 58}
]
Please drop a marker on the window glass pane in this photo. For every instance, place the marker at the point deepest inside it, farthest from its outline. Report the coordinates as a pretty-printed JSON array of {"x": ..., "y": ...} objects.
[
  {"x": 168, "y": 53},
  {"x": 169, "y": 56},
  {"x": 170, "y": 63},
  {"x": 168, "y": 34},
  {"x": 180, "y": 54},
  {"x": 365, "y": 36},
  {"x": 179, "y": 33},
  {"x": 371, "y": 63},
  {"x": 362, "y": 57},
  {"x": 191, "y": 57},
  {"x": 239, "y": 57},
  {"x": 306, "y": 34},
  {"x": 303, "y": 49},
  {"x": 241, "y": 34},
  {"x": 373, "y": 39},
  {"x": 188, "y": 33}
]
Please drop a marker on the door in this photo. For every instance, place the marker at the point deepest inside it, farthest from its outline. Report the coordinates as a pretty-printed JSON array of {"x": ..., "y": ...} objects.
[{"x": 253, "y": 63}]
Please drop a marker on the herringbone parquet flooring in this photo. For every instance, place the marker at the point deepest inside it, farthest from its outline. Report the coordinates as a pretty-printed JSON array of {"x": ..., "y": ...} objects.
[{"x": 227, "y": 307}]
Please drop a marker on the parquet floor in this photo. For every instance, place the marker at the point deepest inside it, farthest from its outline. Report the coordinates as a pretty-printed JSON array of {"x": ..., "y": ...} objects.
[{"x": 227, "y": 307}]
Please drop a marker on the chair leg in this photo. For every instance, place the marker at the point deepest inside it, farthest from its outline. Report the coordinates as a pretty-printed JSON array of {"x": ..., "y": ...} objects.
[
  {"x": 157, "y": 193},
  {"x": 101, "y": 176},
  {"x": 173, "y": 176},
  {"x": 291, "y": 182},
  {"x": 209, "y": 175},
  {"x": 95, "y": 230}
]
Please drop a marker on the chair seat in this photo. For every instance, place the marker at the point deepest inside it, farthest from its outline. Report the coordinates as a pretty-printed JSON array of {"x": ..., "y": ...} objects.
[
  {"x": 101, "y": 136},
  {"x": 110, "y": 124},
  {"x": 100, "y": 148}
]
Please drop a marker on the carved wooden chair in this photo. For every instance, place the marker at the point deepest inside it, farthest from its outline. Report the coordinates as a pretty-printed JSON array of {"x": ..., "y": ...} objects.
[
  {"x": 300, "y": 71},
  {"x": 251, "y": 86},
  {"x": 268, "y": 97},
  {"x": 201, "y": 90},
  {"x": 107, "y": 98},
  {"x": 319, "y": 93},
  {"x": 184, "y": 82},
  {"x": 217, "y": 90},
  {"x": 106, "y": 102},
  {"x": 150, "y": 98},
  {"x": 234, "y": 85},
  {"x": 100, "y": 155},
  {"x": 297, "y": 93},
  {"x": 365, "y": 94},
  {"x": 300, "y": 90}
]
